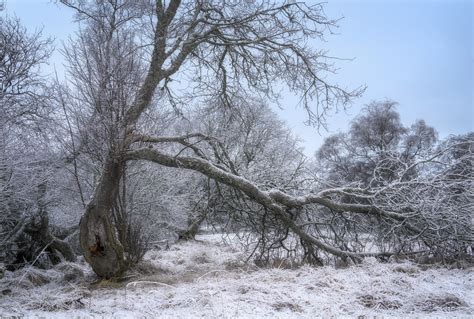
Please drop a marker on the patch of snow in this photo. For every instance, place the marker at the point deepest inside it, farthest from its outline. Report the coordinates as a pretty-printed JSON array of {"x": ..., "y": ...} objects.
[{"x": 205, "y": 278}]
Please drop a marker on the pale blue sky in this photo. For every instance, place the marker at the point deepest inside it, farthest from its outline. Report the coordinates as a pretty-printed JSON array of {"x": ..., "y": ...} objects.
[{"x": 419, "y": 53}]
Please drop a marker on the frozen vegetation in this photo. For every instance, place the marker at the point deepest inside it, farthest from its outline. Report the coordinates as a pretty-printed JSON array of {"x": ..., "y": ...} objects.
[
  {"x": 206, "y": 278},
  {"x": 164, "y": 122}
]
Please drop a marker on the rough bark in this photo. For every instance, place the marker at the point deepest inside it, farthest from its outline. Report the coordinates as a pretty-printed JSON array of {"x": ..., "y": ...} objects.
[{"x": 98, "y": 240}]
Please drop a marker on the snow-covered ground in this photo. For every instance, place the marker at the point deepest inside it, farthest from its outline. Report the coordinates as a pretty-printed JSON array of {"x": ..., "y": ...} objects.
[{"x": 208, "y": 279}]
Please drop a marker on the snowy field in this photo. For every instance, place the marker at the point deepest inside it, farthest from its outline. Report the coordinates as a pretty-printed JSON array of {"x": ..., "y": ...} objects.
[{"x": 208, "y": 279}]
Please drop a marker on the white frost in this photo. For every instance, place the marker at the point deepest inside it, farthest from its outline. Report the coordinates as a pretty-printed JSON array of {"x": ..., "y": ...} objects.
[{"x": 207, "y": 279}]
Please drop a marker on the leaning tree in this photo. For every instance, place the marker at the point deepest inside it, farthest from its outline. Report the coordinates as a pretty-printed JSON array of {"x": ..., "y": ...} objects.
[
  {"x": 135, "y": 58},
  {"x": 219, "y": 49}
]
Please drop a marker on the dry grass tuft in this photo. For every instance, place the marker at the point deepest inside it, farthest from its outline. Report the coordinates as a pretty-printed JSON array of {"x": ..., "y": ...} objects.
[
  {"x": 280, "y": 306},
  {"x": 446, "y": 303},
  {"x": 377, "y": 302}
]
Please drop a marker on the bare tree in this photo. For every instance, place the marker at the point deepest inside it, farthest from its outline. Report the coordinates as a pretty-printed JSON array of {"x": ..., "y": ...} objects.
[
  {"x": 396, "y": 168},
  {"x": 131, "y": 62},
  {"x": 240, "y": 46},
  {"x": 26, "y": 161}
]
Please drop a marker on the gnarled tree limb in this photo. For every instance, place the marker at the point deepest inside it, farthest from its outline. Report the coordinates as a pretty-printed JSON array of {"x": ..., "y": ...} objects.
[{"x": 248, "y": 188}]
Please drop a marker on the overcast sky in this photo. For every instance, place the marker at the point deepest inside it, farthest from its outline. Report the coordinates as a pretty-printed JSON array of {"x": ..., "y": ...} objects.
[{"x": 419, "y": 53}]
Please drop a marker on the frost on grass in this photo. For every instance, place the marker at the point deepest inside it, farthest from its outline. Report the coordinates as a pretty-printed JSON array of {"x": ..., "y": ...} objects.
[
  {"x": 206, "y": 278},
  {"x": 30, "y": 290}
]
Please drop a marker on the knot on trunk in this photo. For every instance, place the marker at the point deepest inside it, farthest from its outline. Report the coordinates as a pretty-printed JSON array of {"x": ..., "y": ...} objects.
[{"x": 97, "y": 249}]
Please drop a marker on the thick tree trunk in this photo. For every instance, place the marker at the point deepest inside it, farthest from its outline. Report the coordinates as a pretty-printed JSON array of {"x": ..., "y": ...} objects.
[{"x": 98, "y": 238}]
